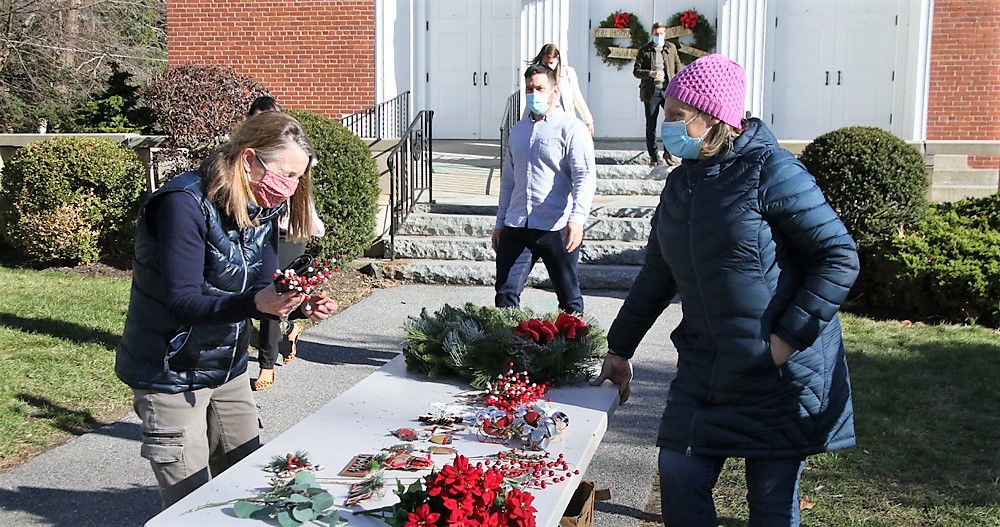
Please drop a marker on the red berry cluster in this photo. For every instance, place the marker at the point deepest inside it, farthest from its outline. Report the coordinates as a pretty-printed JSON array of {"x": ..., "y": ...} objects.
[
  {"x": 516, "y": 389},
  {"x": 289, "y": 280},
  {"x": 534, "y": 469}
]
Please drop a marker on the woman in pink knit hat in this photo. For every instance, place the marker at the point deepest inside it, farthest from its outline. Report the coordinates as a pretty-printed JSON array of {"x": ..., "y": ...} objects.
[{"x": 761, "y": 264}]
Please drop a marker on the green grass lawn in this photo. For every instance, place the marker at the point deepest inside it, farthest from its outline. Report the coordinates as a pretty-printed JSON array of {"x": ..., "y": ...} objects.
[
  {"x": 58, "y": 333},
  {"x": 927, "y": 414}
]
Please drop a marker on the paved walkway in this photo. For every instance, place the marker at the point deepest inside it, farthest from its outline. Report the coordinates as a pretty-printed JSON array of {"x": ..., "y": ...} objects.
[{"x": 99, "y": 480}]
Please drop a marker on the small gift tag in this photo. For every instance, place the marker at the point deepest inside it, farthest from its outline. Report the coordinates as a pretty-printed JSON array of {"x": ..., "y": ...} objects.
[
  {"x": 441, "y": 439},
  {"x": 357, "y": 493},
  {"x": 442, "y": 451},
  {"x": 405, "y": 434},
  {"x": 358, "y": 466}
]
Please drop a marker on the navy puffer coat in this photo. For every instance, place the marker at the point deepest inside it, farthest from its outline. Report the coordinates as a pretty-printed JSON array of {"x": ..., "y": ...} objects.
[{"x": 752, "y": 247}]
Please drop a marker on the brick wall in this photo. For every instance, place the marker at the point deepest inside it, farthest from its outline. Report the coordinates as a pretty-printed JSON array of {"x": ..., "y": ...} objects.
[
  {"x": 313, "y": 55},
  {"x": 964, "y": 98}
]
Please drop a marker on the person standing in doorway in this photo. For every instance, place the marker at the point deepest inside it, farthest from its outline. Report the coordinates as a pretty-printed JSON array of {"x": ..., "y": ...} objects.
[
  {"x": 570, "y": 97},
  {"x": 656, "y": 63},
  {"x": 546, "y": 188}
]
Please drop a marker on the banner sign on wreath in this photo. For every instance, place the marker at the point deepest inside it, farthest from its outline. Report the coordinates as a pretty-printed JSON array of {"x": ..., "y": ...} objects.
[
  {"x": 677, "y": 31},
  {"x": 606, "y": 32},
  {"x": 622, "y": 53},
  {"x": 684, "y": 48}
]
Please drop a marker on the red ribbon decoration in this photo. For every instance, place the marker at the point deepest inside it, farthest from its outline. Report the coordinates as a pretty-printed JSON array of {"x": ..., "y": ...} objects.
[
  {"x": 689, "y": 19},
  {"x": 622, "y": 20}
]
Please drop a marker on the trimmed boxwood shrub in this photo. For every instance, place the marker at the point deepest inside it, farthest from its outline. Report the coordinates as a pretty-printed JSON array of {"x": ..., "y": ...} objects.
[
  {"x": 874, "y": 180},
  {"x": 345, "y": 184},
  {"x": 948, "y": 267},
  {"x": 73, "y": 199}
]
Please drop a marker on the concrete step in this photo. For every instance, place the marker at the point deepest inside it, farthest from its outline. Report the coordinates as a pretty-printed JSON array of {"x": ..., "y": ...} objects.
[
  {"x": 629, "y": 187},
  {"x": 613, "y": 277},
  {"x": 633, "y": 172},
  {"x": 621, "y": 157},
  {"x": 604, "y": 252},
  {"x": 948, "y": 193},
  {"x": 975, "y": 177},
  {"x": 472, "y": 226},
  {"x": 643, "y": 209}
]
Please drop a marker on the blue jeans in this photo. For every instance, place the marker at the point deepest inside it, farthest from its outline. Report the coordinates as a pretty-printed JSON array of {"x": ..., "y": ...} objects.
[
  {"x": 518, "y": 250},
  {"x": 686, "y": 483},
  {"x": 652, "y": 107}
]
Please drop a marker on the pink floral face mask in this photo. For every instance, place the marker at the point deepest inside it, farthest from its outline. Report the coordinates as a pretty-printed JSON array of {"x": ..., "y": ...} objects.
[{"x": 273, "y": 188}]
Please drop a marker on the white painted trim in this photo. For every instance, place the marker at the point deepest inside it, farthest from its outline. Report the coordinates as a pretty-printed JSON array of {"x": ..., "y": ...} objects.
[
  {"x": 923, "y": 66},
  {"x": 742, "y": 30},
  {"x": 380, "y": 46}
]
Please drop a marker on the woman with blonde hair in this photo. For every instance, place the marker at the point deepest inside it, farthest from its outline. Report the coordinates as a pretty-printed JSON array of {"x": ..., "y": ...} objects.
[
  {"x": 570, "y": 97},
  {"x": 204, "y": 262}
]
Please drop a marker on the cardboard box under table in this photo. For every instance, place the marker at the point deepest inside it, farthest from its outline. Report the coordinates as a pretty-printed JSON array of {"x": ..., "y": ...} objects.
[{"x": 359, "y": 421}]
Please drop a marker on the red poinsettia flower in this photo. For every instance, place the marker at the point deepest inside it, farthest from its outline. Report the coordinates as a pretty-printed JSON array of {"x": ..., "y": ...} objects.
[
  {"x": 689, "y": 19},
  {"x": 520, "y": 512},
  {"x": 422, "y": 517},
  {"x": 621, "y": 20},
  {"x": 569, "y": 325}
]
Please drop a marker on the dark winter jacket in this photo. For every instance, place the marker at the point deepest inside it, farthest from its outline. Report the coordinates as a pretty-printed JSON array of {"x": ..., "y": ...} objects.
[
  {"x": 170, "y": 348},
  {"x": 645, "y": 64},
  {"x": 752, "y": 247}
]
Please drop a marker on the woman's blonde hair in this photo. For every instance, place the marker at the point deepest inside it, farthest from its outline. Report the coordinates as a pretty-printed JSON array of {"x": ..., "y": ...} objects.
[
  {"x": 227, "y": 184},
  {"x": 719, "y": 138},
  {"x": 549, "y": 50}
]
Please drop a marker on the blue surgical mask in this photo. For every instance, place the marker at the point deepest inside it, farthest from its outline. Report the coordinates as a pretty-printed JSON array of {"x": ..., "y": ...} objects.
[
  {"x": 538, "y": 103},
  {"x": 658, "y": 40},
  {"x": 677, "y": 141}
]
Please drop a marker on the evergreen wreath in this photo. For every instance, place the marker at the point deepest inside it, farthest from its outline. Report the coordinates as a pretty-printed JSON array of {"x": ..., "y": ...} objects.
[
  {"x": 477, "y": 343},
  {"x": 618, "y": 20},
  {"x": 702, "y": 31}
]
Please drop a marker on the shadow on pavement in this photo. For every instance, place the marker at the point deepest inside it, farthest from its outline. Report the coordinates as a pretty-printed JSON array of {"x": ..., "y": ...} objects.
[{"x": 92, "y": 508}]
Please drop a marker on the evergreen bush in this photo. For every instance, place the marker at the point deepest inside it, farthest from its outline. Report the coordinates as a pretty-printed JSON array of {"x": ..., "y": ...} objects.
[
  {"x": 72, "y": 199},
  {"x": 345, "y": 184},
  {"x": 874, "y": 180},
  {"x": 947, "y": 268}
]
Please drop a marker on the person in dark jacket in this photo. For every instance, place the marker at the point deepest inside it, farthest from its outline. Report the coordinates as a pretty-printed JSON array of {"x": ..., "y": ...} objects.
[
  {"x": 656, "y": 63},
  {"x": 204, "y": 264},
  {"x": 761, "y": 263}
]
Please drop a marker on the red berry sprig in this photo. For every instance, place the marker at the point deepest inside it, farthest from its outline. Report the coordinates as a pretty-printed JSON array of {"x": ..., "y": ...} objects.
[
  {"x": 289, "y": 280},
  {"x": 512, "y": 391},
  {"x": 532, "y": 469}
]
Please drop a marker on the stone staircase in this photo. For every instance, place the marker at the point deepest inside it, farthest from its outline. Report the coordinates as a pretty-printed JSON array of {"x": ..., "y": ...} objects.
[{"x": 448, "y": 242}]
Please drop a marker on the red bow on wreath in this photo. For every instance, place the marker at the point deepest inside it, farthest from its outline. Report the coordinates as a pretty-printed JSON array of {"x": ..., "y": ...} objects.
[
  {"x": 622, "y": 20},
  {"x": 689, "y": 19}
]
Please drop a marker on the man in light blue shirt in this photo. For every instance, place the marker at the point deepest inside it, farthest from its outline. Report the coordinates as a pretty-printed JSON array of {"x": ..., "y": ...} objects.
[{"x": 546, "y": 188}]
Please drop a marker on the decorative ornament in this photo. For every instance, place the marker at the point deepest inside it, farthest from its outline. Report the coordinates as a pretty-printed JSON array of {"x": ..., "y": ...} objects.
[
  {"x": 286, "y": 466},
  {"x": 701, "y": 30},
  {"x": 303, "y": 275},
  {"x": 638, "y": 37}
]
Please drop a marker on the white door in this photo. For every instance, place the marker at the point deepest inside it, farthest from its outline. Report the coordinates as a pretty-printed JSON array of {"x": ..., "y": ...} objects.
[
  {"x": 863, "y": 93},
  {"x": 470, "y": 67},
  {"x": 832, "y": 65},
  {"x": 612, "y": 94}
]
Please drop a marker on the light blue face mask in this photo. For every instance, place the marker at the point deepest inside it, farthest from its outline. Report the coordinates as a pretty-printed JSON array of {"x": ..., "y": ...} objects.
[
  {"x": 658, "y": 40},
  {"x": 677, "y": 141},
  {"x": 538, "y": 103}
]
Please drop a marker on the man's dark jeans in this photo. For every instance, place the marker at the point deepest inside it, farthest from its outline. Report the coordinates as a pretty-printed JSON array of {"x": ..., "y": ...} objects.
[
  {"x": 652, "y": 108},
  {"x": 518, "y": 250}
]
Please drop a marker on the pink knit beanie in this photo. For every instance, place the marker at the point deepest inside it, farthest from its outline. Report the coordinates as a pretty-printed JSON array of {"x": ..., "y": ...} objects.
[{"x": 713, "y": 84}]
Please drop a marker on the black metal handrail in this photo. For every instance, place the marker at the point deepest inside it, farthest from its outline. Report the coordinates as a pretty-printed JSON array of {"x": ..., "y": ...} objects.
[
  {"x": 511, "y": 115},
  {"x": 411, "y": 172},
  {"x": 386, "y": 119}
]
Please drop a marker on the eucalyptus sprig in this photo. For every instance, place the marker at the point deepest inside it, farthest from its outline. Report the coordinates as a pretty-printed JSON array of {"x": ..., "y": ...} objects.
[{"x": 292, "y": 503}]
